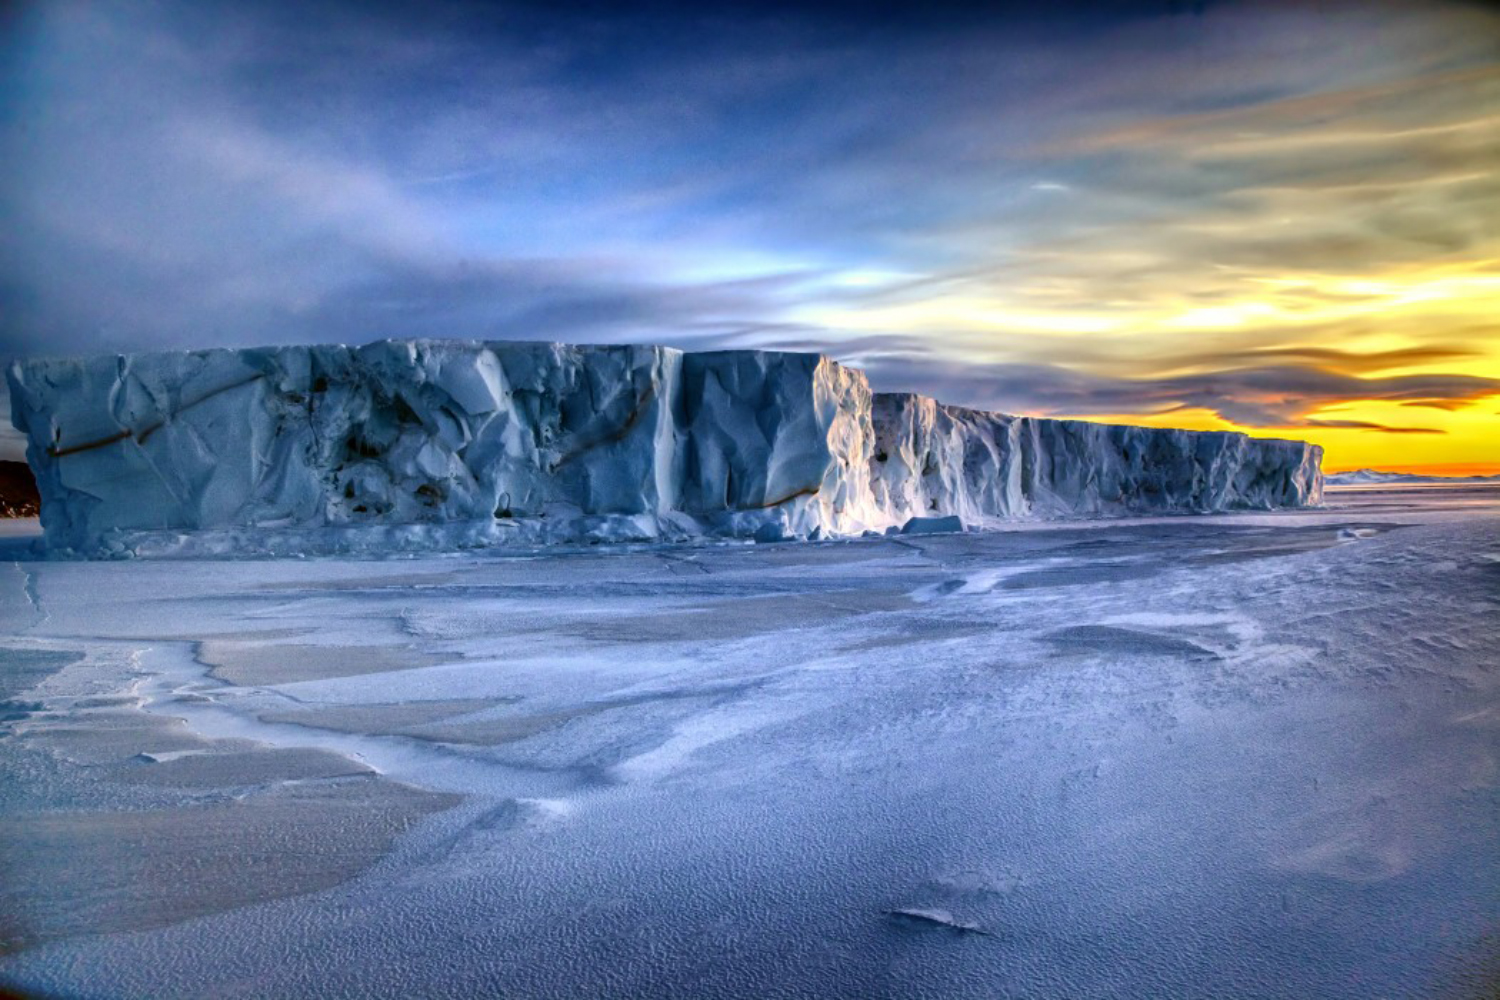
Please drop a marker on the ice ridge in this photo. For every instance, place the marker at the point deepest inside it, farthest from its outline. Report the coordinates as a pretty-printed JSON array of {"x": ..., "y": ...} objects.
[{"x": 437, "y": 443}]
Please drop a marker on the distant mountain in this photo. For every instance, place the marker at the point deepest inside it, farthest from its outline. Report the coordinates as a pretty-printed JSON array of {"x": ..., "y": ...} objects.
[
  {"x": 1367, "y": 477},
  {"x": 18, "y": 496}
]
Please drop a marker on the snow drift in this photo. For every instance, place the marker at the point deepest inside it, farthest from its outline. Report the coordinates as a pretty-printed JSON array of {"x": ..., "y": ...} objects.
[{"x": 434, "y": 443}]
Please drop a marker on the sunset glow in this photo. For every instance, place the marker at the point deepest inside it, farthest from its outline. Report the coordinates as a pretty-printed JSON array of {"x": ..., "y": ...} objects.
[{"x": 1273, "y": 218}]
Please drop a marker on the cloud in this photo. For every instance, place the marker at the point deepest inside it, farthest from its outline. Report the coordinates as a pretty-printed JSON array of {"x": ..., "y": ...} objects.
[
  {"x": 1259, "y": 211},
  {"x": 1281, "y": 396},
  {"x": 1338, "y": 114},
  {"x": 1367, "y": 425},
  {"x": 1449, "y": 405},
  {"x": 1355, "y": 361}
]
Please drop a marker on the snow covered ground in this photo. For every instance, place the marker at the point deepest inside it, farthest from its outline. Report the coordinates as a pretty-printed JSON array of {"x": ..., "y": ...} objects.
[{"x": 1231, "y": 755}]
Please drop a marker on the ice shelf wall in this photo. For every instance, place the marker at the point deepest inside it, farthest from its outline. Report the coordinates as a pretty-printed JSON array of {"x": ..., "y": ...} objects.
[{"x": 434, "y": 443}]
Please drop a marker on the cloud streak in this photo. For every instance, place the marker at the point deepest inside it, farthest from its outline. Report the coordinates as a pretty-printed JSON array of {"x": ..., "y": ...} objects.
[
  {"x": 1265, "y": 213},
  {"x": 1267, "y": 397}
]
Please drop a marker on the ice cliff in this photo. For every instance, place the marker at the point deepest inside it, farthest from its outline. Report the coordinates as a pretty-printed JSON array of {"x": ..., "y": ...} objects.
[{"x": 405, "y": 444}]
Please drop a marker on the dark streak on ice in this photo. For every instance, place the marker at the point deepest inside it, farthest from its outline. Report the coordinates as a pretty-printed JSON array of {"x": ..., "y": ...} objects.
[{"x": 1126, "y": 641}]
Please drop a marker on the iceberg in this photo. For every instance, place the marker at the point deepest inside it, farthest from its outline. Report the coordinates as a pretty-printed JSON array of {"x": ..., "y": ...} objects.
[
  {"x": 932, "y": 459},
  {"x": 418, "y": 444},
  {"x": 1374, "y": 477}
]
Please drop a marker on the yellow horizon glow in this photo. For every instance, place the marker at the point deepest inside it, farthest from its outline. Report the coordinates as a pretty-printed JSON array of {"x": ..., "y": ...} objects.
[
  {"x": 1468, "y": 437},
  {"x": 1395, "y": 309},
  {"x": 1344, "y": 236}
]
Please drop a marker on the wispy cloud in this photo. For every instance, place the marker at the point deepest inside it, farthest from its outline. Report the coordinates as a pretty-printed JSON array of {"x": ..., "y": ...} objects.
[
  {"x": 1266, "y": 397},
  {"x": 1260, "y": 212},
  {"x": 1370, "y": 425}
]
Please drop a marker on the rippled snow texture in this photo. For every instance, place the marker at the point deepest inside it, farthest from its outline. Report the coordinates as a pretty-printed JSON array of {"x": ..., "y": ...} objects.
[{"x": 1233, "y": 756}]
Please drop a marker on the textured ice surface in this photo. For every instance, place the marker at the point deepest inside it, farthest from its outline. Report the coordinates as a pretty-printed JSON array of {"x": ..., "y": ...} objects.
[
  {"x": 1252, "y": 755},
  {"x": 937, "y": 459},
  {"x": 1372, "y": 477},
  {"x": 441, "y": 444}
]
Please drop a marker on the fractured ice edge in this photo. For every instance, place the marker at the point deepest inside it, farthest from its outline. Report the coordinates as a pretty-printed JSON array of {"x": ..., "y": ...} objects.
[{"x": 437, "y": 444}]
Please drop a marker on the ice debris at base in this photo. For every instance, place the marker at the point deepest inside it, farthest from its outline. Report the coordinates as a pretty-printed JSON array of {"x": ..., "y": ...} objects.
[
  {"x": 932, "y": 525},
  {"x": 438, "y": 444}
]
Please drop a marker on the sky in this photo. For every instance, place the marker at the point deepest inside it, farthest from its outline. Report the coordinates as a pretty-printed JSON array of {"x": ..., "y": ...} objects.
[{"x": 1276, "y": 218}]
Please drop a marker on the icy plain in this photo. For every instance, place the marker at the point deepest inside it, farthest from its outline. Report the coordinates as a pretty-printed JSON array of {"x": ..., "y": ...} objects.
[{"x": 1239, "y": 755}]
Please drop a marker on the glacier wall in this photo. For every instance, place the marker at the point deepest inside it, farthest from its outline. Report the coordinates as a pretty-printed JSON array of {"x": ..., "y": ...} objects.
[
  {"x": 426, "y": 443},
  {"x": 935, "y": 459}
]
